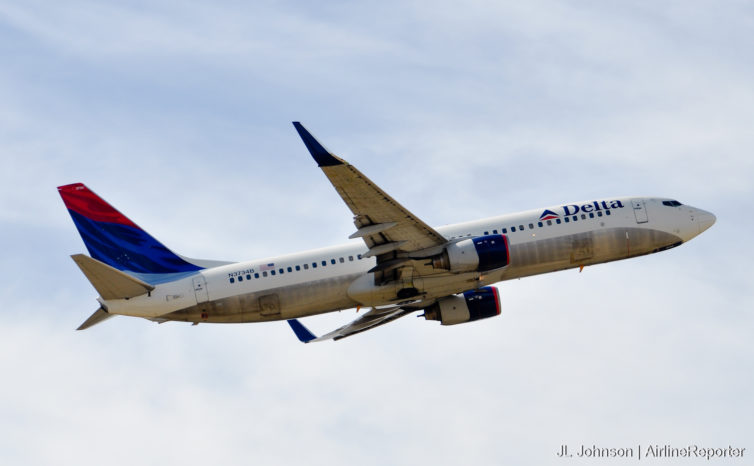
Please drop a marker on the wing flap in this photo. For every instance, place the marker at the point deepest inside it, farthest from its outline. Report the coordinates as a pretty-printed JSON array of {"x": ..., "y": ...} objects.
[{"x": 370, "y": 230}]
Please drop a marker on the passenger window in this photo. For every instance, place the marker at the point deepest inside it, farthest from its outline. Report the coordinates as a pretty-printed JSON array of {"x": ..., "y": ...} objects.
[
  {"x": 549, "y": 223},
  {"x": 486, "y": 233},
  {"x": 341, "y": 260},
  {"x": 324, "y": 263},
  {"x": 240, "y": 278},
  {"x": 505, "y": 230},
  {"x": 494, "y": 232},
  {"x": 232, "y": 280},
  {"x": 607, "y": 212},
  {"x": 591, "y": 214},
  {"x": 359, "y": 256},
  {"x": 332, "y": 261},
  {"x": 531, "y": 226},
  {"x": 272, "y": 272},
  {"x": 256, "y": 275},
  {"x": 599, "y": 214},
  {"x": 583, "y": 216},
  {"x": 521, "y": 227},
  {"x": 314, "y": 265},
  {"x": 557, "y": 220},
  {"x": 350, "y": 258},
  {"x": 306, "y": 266},
  {"x": 298, "y": 268},
  {"x": 575, "y": 218},
  {"x": 281, "y": 271},
  {"x": 513, "y": 229},
  {"x": 540, "y": 224},
  {"x": 567, "y": 219},
  {"x": 248, "y": 276},
  {"x": 290, "y": 270},
  {"x": 264, "y": 274}
]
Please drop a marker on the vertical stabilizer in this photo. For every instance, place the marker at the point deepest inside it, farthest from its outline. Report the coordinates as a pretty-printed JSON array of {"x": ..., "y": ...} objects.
[{"x": 115, "y": 240}]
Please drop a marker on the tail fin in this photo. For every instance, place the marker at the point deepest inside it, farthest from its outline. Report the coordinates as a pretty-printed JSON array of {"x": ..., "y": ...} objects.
[{"x": 115, "y": 240}]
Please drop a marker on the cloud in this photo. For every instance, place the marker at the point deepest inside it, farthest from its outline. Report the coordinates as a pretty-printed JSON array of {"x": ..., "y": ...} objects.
[{"x": 180, "y": 116}]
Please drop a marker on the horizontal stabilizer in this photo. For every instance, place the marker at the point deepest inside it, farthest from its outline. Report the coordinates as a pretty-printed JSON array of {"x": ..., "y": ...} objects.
[
  {"x": 110, "y": 282},
  {"x": 100, "y": 315}
]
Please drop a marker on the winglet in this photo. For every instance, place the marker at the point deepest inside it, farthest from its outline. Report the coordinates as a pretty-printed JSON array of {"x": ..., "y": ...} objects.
[
  {"x": 322, "y": 156},
  {"x": 303, "y": 333}
]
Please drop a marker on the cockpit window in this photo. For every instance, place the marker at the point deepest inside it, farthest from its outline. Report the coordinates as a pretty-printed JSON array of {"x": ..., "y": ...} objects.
[{"x": 671, "y": 203}]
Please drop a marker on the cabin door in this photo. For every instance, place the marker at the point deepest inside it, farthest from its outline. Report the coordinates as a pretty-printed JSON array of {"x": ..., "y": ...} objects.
[
  {"x": 200, "y": 289},
  {"x": 640, "y": 211}
]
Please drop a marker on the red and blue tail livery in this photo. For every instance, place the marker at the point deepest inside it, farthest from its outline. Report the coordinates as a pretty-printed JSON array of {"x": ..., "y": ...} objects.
[{"x": 115, "y": 240}]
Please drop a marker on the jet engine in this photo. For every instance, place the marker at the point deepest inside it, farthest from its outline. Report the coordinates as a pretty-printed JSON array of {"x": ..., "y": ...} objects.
[
  {"x": 474, "y": 254},
  {"x": 472, "y": 305}
]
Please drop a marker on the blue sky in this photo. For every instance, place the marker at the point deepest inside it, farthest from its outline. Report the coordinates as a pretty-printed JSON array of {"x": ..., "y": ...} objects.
[{"x": 179, "y": 114}]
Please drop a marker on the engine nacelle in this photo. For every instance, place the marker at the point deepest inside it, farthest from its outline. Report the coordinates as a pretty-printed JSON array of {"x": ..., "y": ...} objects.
[
  {"x": 474, "y": 254},
  {"x": 472, "y": 305}
]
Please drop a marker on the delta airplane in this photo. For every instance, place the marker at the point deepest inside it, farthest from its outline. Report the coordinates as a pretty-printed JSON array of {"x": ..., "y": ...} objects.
[{"x": 396, "y": 264}]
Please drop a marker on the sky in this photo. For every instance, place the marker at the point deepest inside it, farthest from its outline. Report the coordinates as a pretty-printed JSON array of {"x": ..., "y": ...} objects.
[{"x": 179, "y": 113}]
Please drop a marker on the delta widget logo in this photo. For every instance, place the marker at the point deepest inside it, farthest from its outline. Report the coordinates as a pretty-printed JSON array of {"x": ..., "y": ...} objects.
[{"x": 548, "y": 215}]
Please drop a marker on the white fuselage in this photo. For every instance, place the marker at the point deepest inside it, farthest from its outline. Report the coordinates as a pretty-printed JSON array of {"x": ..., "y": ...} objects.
[{"x": 335, "y": 278}]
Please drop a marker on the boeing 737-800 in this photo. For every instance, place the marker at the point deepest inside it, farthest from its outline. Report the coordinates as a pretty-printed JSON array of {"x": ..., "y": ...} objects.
[{"x": 395, "y": 264}]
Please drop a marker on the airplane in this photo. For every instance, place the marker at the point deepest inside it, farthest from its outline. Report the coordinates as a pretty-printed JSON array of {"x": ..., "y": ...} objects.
[{"x": 395, "y": 264}]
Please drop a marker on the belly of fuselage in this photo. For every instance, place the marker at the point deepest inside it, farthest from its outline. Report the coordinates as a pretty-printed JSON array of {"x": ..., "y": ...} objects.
[
  {"x": 293, "y": 301},
  {"x": 583, "y": 249}
]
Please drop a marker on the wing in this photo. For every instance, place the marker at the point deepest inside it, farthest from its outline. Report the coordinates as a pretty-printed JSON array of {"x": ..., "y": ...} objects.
[
  {"x": 385, "y": 226},
  {"x": 391, "y": 232},
  {"x": 373, "y": 318}
]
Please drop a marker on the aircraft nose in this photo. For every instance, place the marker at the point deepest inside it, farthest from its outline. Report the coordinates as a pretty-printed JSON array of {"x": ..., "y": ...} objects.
[{"x": 705, "y": 220}]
